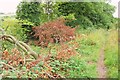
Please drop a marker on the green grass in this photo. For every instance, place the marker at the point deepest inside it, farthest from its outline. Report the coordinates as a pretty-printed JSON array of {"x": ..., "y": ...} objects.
[
  {"x": 111, "y": 54},
  {"x": 89, "y": 50}
]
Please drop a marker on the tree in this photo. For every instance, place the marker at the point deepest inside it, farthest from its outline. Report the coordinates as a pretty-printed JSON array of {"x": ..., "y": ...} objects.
[
  {"x": 29, "y": 15},
  {"x": 93, "y": 13},
  {"x": 49, "y": 11},
  {"x": 29, "y": 11}
]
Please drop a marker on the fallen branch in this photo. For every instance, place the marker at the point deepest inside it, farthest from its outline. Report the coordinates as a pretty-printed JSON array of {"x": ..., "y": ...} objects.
[
  {"x": 8, "y": 39},
  {"x": 20, "y": 44},
  {"x": 30, "y": 51}
]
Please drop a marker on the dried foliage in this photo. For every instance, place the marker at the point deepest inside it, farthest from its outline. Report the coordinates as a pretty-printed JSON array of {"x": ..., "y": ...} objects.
[
  {"x": 15, "y": 61},
  {"x": 54, "y": 32},
  {"x": 65, "y": 52}
]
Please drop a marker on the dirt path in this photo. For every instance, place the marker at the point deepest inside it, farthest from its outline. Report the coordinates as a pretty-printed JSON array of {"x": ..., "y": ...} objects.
[{"x": 100, "y": 65}]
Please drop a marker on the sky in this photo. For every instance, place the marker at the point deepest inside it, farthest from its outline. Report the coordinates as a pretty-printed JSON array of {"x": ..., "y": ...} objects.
[
  {"x": 115, "y": 3},
  {"x": 10, "y": 6}
]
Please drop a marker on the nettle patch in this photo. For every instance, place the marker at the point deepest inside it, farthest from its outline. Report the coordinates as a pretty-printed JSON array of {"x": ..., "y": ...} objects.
[{"x": 53, "y": 32}]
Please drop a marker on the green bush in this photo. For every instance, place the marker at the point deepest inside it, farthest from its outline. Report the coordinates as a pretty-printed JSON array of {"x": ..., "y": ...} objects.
[
  {"x": 89, "y": 14},
  {"x": 14, "y": 28},
  {"x": 82, "y": 21},
  {"x": 29, "y": 11}
]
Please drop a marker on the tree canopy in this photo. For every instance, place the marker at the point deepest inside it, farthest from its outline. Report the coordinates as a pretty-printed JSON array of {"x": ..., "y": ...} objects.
[
  {"x": 97, "y": 14},
  {"x": 29, "y": 11},
  {"x": 93, "y": 13}
]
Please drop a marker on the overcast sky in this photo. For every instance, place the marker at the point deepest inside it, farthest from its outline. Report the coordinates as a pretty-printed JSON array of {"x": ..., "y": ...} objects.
[{"x": 10, "y": 6}]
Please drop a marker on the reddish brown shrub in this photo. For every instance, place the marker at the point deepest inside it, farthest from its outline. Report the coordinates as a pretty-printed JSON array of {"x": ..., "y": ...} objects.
[{"x": 54, "y": 32}]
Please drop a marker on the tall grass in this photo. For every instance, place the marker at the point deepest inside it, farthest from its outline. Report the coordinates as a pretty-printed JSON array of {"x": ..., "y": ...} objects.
[{"x": 111, "y": 54}]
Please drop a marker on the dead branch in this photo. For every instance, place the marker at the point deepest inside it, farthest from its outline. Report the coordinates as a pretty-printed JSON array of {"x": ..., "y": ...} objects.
[
  {"x": 8, "y": 39},
  {"x": 20, "y": 44},
  {"x": 31, "y": 52}
]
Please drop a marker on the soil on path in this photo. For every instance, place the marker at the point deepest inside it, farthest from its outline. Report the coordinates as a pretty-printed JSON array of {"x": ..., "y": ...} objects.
[{"x": 100, "y": 65}]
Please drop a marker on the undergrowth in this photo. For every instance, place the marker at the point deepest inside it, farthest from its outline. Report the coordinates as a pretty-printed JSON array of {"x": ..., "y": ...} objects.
[{"x": 73, "y": 59}]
